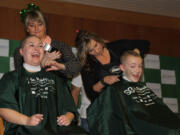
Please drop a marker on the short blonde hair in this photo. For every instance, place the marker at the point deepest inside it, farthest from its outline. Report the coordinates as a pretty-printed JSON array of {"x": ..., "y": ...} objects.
[
  {"x": 128, "y": 53},
  {"x": 35, "y": 15}
]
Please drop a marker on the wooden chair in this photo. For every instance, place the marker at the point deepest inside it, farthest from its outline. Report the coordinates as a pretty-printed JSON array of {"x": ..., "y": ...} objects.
[{"x": 1, "y": 127}]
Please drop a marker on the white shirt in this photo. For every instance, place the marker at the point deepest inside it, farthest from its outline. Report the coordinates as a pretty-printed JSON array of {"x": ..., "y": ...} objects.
[{"x": 85, "y": 102}]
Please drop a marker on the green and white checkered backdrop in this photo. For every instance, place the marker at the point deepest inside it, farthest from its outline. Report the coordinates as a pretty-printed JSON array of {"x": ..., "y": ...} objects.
[{"x": 161, "y": 73}]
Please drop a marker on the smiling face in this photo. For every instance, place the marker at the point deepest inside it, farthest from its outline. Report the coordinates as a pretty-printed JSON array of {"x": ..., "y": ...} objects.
[
  {"x": 36, "y": 28},
  {"x": 32, "y": 51},
  {"x": 132, "y": 67},
  {"x": 95, "y": 48}
]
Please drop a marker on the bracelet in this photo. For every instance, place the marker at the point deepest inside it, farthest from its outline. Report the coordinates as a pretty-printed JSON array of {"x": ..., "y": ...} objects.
[{"x": 104, "y": 83}]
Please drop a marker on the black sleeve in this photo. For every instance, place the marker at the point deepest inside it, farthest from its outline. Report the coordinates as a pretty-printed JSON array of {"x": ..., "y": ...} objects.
[
  {"x": 71, "y": 63},
  {"x": 89, "y": 79},
  {"x": 18, "y": 59},
  {"x": 119, "y": 46}
]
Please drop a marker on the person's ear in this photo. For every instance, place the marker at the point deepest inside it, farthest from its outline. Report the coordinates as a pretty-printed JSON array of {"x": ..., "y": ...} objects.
[
  {"x": 122, "y": 67},
  {"x": 20, "y": 51}
]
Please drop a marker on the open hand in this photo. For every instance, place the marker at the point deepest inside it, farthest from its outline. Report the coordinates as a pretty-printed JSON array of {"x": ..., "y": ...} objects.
[
  {"x": 50, "y": 56},
  {"x": 63, "y": 120}
]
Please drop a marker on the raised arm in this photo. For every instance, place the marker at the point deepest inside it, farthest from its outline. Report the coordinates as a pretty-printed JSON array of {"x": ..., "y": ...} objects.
[{"x": 71, "y": 63}]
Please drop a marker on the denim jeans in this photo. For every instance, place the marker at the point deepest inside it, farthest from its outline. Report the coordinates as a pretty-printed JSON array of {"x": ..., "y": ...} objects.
[{"x": 84, "y": 124}]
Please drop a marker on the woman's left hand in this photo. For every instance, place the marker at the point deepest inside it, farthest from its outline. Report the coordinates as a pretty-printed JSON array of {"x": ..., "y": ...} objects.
[
  {"x": 54, "y": 55},
  {"x": 50, "y": 56}
]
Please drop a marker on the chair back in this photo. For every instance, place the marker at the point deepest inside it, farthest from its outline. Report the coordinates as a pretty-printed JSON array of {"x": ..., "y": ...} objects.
[{"x": 1, "y": 127}]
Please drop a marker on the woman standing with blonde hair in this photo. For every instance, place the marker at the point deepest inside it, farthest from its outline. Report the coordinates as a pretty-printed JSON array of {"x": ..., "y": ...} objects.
[{"x": 66, "y": 63}]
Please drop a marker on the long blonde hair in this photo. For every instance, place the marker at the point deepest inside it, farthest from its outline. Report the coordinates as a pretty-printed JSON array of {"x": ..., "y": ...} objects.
[{"x": 82, "y": 42}]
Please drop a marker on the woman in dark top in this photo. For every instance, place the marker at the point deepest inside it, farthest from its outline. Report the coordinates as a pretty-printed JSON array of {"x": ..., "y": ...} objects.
[
  {"x": 100, "y": 60},
  {"x": 66, "y": 63}
]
